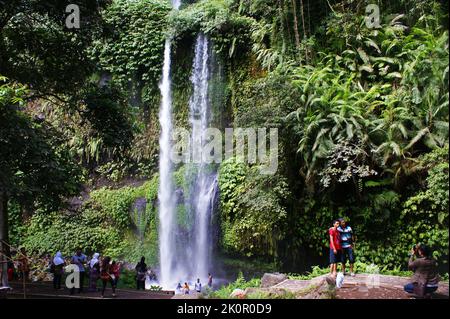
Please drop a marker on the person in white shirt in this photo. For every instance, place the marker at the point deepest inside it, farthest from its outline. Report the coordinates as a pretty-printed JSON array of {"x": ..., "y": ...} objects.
[
  {"x": 348, "y": 245},
  {"x": 198, "y": 286}
]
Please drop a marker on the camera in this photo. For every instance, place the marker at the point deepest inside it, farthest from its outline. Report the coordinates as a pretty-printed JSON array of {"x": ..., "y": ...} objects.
[{"x": 415, "y": 248}]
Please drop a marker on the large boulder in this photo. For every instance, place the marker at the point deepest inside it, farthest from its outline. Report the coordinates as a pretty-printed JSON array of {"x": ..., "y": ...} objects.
[
  {"x": 271, "y": 293},
  {"x": 324, "y": 288},
  {"x": 271, "y": 279}
]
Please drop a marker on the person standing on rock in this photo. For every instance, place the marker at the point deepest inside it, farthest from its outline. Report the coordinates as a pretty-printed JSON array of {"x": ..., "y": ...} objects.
[
  {"x": 335, "y": 247},
  {"x": 179, "y": 289},
  {"x": 186, "y": 288},
  {"x": 347, "y": 244},
  {"x": 210, "y": 279},
  {"x": 198, "y": 286}
]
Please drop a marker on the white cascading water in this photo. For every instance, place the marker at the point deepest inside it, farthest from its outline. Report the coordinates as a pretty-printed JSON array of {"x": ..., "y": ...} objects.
[
  {"x": 167, "y": 261},
  {"x": 204, "y": 186},
  {"x": 186, "y": 256}
]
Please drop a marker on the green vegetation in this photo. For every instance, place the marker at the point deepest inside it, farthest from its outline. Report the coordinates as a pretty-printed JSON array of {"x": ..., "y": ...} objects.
[
  {"x": 130, "y": 47},
  {"x": 357, "y": 109},
  {"x": 240, "y": 283},
  {"x": 246, "y": 197},
  {"x": 105, "y": 223},
  {"x": 362, "y": 114}
]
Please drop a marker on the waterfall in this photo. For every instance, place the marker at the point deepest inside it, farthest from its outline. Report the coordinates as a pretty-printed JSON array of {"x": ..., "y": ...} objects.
[
  {"x": 185, "y": 254},
  {"x": 204, "y": 185},
  {"x": 166, "y": 196},
  {"x": 176, "y": 4}
]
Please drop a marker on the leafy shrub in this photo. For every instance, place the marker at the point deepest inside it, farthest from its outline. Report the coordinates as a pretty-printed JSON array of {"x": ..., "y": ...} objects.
[
  {"x": 104, "y": 225},
  {"x": 424, "y": 218},
  {"x": 132, "y": 45},
  {"x": 229, "y": 31},
  {"x": 252, "y": 209},
  {"x": 240, "y": 283}
]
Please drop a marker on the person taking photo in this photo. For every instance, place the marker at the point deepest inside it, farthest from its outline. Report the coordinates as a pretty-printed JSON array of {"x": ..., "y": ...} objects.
[{"x": 425, "y": 278}]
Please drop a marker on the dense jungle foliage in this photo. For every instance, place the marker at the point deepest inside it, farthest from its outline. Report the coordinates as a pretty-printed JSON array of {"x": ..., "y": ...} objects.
[{"x": 361, "y": 107}]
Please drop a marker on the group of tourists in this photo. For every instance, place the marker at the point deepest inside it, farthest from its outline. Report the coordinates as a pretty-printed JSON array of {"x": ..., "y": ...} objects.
[
  {"x": 94, "y": 269},
  {"x": 185, "y": 289},
  {"x": 97, "y": 267},
  {"x": 342, "y": 243}
]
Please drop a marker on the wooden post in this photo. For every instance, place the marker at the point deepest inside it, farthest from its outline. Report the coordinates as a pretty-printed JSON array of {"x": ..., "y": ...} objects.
[
  {"x": 4, "y": 248},
  {"x": 24, "y": 285},
  {"x": 295, "y": 27}
]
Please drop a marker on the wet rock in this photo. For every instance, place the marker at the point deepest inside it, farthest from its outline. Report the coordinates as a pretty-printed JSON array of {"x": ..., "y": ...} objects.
[
  {"x": 179, "y": 195},
  {"x": 271, "y": 279},
  {"x": 191, "y": 295},
  {"x": 252, "y": 290}
]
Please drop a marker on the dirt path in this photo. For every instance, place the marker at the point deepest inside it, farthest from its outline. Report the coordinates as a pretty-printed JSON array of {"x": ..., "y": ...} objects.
[
  {"x": 44, "y": 290},
  {"x": 364, "y": 286},
  {"x": 363, "y": 292}
]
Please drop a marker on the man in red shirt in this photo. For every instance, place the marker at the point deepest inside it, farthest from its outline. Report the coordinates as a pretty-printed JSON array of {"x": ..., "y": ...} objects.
[{"x": 335, "y": 247}]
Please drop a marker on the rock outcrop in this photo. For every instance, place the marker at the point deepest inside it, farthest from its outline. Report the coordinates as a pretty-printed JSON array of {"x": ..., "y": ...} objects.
[
  {"x": 325, "y": 288},
  {"x": 271, "y": 279}
]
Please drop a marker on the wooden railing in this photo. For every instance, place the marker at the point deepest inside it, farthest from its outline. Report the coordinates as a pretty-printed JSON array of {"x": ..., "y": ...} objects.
[{"x": 4, "y": 259}]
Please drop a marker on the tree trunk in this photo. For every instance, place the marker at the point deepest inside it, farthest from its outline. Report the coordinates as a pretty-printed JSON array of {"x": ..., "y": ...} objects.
[
  {"x": 4, "y": 249},
  {"x": 283, "y": 28},
  {"x": 309, "y": 18},
  {"x": 302, "y": 11},
  {"x": 297, "y": 35},
  {"x": 4, "y": 222},
  {"x": 285, "y": 5},
  {"x": 26, "y": 212}
]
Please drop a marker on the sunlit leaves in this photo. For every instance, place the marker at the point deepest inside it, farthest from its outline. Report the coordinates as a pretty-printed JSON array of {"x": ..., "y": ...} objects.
[{"x": 131, "y": 46}]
